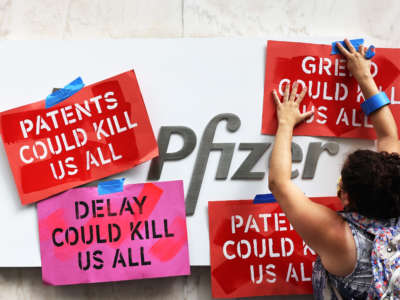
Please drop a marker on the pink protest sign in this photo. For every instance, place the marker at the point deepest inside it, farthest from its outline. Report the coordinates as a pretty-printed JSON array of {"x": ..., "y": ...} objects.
[{"x": 137, "y": 233}]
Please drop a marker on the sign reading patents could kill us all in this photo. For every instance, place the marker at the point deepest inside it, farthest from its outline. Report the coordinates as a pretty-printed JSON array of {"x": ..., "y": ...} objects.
[
  {"x": 101, "y": 130},
  {"x": 333, "y": 94},
  {"x": 137, "y": 233},
  {"x": 255, "y": 251}
]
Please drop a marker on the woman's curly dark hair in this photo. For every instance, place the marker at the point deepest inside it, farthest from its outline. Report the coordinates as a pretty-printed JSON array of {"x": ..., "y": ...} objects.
[{"x": 372, "y": 181}]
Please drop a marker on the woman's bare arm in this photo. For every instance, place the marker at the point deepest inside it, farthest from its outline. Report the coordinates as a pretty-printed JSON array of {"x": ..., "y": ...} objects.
[
  {"x": 382, "y": 119},
  {"x": 320, "y": 227}
]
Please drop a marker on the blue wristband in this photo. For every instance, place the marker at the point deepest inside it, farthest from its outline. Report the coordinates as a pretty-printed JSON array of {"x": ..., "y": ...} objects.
[{"x": 374, "y": 103}]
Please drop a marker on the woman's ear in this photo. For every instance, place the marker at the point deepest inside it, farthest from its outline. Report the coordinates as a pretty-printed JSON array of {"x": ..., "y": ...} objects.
[{"x": 345, "y": 198}]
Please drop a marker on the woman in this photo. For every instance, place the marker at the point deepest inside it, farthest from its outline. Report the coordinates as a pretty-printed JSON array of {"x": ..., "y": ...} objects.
[{"x": 370, "y": 187}]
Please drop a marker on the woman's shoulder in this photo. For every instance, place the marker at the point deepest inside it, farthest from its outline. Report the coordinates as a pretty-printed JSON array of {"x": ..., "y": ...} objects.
[
  {"x": 356, "y": 284},
  {"x": 366, "y": 224}
]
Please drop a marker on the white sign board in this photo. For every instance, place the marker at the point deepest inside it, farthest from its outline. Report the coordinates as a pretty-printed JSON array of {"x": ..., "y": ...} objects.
[{"x": 185, "y": 83}]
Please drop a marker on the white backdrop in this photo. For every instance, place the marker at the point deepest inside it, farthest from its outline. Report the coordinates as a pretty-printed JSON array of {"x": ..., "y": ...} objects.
[{"x": 184, "y": 82}]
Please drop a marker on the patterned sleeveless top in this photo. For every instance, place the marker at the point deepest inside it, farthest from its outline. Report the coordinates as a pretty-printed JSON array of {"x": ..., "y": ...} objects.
[{"x": 355, "y": 285}]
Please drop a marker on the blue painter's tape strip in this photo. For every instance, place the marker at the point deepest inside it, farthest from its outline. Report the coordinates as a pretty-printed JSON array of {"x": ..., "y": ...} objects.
[
  {"x": 370, "y": 52},
  {"x": 64, "y": 93},
  {"x": 111, "y": 186},
  {"x": 264, "y": 198},
  {"x": 356, "y": 43}
]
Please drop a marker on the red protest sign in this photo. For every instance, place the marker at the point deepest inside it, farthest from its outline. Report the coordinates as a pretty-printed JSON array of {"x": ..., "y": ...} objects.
[
  {"x": 333, "y": 94},
  {"x": 101, "y": 130},
  {"x": 255, "y": 251}
]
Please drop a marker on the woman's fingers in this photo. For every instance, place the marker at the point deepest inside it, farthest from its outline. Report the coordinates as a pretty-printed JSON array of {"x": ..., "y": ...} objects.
[
  {"x": 306, "y": 115},
  {"x": 349, "y": 46},
  {"x": 276, "y": 98},
  {"x": 288, "y": 110},
  {"x": 302, "y": 94},
  {"x": 294, "y": 91},
  {"x": 361, "y": 50},
  {"x": 286, "y": 93},
  {"x": 290, "y": 97},
  {"x": 343, "y": 50}
]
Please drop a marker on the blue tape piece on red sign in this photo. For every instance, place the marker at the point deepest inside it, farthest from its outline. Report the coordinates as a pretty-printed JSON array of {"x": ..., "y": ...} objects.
[
  {"x": 264, "y": 198},
  {"x": 111, "y": 186},
  {"x": 64, "y": 93},
  {"x": 370, "y": 52},
  {"x": 356, "y": 43}
]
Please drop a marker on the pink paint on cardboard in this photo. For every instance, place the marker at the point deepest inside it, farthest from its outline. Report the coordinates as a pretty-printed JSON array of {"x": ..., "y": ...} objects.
[{"x": 137, "y": 233}]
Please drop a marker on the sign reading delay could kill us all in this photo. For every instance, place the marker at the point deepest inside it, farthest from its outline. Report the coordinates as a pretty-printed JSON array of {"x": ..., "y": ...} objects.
[
  {"x": 101, "y": 130},
  {"x": 137, "y": 233},
  {"x": 255, "y": 251},
  {"x": 332, "y": 93}
]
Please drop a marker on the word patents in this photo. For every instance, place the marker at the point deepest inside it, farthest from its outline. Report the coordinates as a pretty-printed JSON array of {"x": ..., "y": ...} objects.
[
  {"x": 39, "y": 147},
  {"x": 333, "y": 91},
  {"x": 268, "y": 248}
]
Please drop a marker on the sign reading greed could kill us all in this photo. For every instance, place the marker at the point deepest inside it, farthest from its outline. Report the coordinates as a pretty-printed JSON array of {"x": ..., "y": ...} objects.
[
  {"x": 101, "y": 130},
  {"x": 333, "y": 94}
]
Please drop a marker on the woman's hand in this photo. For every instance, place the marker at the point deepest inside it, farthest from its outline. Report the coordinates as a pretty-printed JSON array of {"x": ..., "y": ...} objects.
[
  {"x": 360, "y": 68},
  {"x": 288, "y": 110},
  {"x": 357, "y": 64}
]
